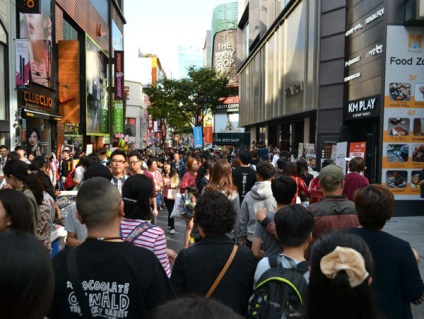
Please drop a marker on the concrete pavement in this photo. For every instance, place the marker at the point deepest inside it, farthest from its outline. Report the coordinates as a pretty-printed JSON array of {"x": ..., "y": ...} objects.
[{"x": 410, "y": 229}]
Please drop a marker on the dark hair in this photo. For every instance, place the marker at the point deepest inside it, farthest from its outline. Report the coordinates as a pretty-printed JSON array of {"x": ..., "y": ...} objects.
[
  {"x": 19, "y": 148},
  {"x": 97, "y": 170},
  {"x": 290, "y": 169},
  {"x": 18, "y": 208},
  {"x": 21, "y": 171},
  {"x": 265, "y": 169},
  {"x": 335, "y": 298},
  {"x": 193, "y": 307},
  {"x": 136, "y": 154},
  {"x": 136, "y": 193},
  {"x": 357, "y": 164},
  {"x": 92, "y": 159},
  {"x": 215, "y": 213},
  {"x": 207, "y": 166},
  {"x": 150, "y": 161},
  {"x": 118, "y": 152},
  {"x": 172, "y": 170},
  {"x": 374, "y": 205},
  {"x": 102, "y": 151},
  {"x": 27, "y": 279},
  {"x": 32, "y": 130},
  {"x": 83, "y": 161},
  {"x": 284, "y": 189},
  {"x": 327, "y": 162},
  {"x": 281, "y": 162},
  {"x": 38, "y": 163},
  {"x": 13, "y": 156},
  {"x": 3, "y": 146},
  {"x": 293, "y": 224},
  {"x": 245, "y": 156},
  {"x": 302, "y": 167}
]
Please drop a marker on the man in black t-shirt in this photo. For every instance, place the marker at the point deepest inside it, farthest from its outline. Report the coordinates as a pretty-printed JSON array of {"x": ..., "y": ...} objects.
[
  {"x": 244, "y": 177},
  {"x": 118, "y": 280},
  {"x": 66, "y": 165}
]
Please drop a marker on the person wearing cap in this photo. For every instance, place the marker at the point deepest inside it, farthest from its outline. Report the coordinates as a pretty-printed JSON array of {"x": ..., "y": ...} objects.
[
  {"x": 355, "y": 179},
  {"x": 66, "y": 164},
  {"x": 335, "y": 211}
]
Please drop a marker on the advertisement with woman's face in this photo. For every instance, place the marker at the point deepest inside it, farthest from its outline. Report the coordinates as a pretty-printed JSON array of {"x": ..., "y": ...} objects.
[
  {"x": 37, "y": 28},
  {"x": 97, "y": 114},
  {"x": 33, "y": 140}
]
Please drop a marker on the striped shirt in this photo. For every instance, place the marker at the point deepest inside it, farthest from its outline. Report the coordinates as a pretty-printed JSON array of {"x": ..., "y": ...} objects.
[{"x": 152, "y": 239}]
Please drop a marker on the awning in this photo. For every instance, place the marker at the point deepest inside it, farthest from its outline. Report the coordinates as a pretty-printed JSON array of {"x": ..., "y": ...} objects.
[{"x": 40, "y": 114}]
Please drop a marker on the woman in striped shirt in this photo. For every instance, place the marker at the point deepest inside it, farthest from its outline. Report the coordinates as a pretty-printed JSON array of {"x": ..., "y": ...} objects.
[{"x": 136, "y": 194}]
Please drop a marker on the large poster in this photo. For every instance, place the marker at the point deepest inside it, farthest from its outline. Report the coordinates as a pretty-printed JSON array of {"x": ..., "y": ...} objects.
[
  {"x": 403, "y": 136},
  {"x": 97, "y": 114},
  {"x": 37, "y": 28}
]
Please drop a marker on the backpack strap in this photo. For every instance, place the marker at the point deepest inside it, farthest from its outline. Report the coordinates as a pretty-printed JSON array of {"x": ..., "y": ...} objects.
[
  {"x": 137, "y": 231},
  {"x": 76, "y": 283},
  {"x": 303, "y": 267},
  {"x": 273, "y": 261}
]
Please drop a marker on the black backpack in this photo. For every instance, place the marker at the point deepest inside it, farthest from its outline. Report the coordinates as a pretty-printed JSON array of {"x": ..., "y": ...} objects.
[{"x": 280, "y": 292}]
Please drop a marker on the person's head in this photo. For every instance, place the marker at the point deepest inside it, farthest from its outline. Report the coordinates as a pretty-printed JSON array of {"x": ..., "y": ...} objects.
[
  {"x": 245, "y": 157},
  {"x": 327, "y": 162},
  {"x": 192, "y": 307},
  {"x": 117, "y": 162},
  {"x": 331, "y": 178},
  {"x": 101, "y": 152},
  {"x": 294, "y": 225},
  {"x": 136, "y": 193},
  {"x": 20, "y": 150},
  {"x": 357, "y": 164},
  {"x": 98, "y": 203},
  {"x": 192, "y": 164},
  {"x": 18, "y": 174},
  {"x": 374, "y": 205},
  {"x": 265, "y": 170},
  {"x": 15, "y": 211},
  {"x": 152, "y": 164},
  {"x": 33, "y": 137},
  {"x": 339, "y": 277},
  {"x": 4, "y": 150},
  {"x": 135, "y": 161},
  {"x": 281, "y": 162},
  {"x": 290, "y": 169},
  {"x": 221, "y": 177},
  {"x": 92, "y": 159},
  {"x": 215, "y": 213},
  {"x": 83, "y": 161},
  {"x": 97, "y": 170},
  {"x": 176, "y": 156},
  {"x": 312, "y": 162},
  {"x": 283, "y": 189},
  {"x": 302, "y": 167},
  {"x": 26, "y": 276},
  {"x": 168, "y": 168},
  {"x": 206, "y": 169},
  {"x": 39, "y": 163},
  {"x": 13, "y": 156},
  {"x": 65, "y": 153}
]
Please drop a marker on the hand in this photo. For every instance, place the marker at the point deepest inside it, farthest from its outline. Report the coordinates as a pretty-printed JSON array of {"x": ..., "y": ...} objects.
[
  {"x": 155, "y": 212},
  {"x": 172, "y": 255},
  {"x": 6, "y": 186},
  {"x": 261, "y": 214}
]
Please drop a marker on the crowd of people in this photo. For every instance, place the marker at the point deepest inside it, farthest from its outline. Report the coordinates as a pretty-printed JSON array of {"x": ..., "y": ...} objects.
[{"x": 258, "y": 214}]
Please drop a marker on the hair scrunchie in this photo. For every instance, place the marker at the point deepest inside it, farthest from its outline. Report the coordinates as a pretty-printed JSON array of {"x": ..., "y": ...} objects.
[{"x": 347, "y": 259}]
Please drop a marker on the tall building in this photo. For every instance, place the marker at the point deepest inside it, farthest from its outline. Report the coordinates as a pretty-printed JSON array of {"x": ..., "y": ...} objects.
[{"x": 327, "y": 72}]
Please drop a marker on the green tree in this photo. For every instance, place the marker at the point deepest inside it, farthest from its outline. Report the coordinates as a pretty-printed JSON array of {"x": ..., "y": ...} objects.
[{"x": 184, "y": 103}]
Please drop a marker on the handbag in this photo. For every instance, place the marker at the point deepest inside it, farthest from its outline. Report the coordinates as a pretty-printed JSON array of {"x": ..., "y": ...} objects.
[
  {"x": 222, "y": 273},
  {"x": 172, "y": 193},
  {"x": 176, "y": 211}
]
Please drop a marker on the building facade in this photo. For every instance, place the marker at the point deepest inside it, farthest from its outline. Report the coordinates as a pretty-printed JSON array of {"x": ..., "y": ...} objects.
[
  {"x": 326, "y": 72},
  {"x": 65, "y": 75}
]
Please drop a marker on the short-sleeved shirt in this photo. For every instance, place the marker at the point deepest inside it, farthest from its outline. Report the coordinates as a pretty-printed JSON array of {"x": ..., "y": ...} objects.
[
  {"x": 73, "y": 225},
  {"x": 270, "y": 244}
]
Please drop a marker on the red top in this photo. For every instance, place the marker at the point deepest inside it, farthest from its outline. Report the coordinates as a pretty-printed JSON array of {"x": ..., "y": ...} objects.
[
  {"x": 188, "y": 179},
  {"x": 354, "y": 181}
]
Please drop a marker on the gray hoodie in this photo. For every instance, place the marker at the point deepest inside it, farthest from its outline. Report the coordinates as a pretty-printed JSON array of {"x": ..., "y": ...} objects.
[{"x": 259, "y": 196}]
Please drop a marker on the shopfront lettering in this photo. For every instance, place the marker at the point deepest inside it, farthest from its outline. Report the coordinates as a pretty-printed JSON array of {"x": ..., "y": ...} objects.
[
  {"x": 354, "y": 29},
  {"x": 294, "y": 89},
  {"x": 361, "y": 106},
  {"x": 224, "y": 58},
  {"x": 374, "y": 16},
  {"x": 38, "y": 99},
  {"x": 352, "y": 77},
  {"x": 352, "y": 61},
  {"x": 378, "y": 49}
]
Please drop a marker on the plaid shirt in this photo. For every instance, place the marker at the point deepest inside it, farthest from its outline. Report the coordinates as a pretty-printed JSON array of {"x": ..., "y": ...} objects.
[{"x": 119, "y": 182}]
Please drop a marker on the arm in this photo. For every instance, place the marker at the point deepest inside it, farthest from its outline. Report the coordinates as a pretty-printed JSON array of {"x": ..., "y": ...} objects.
[
  {"x": 236, "y": 205},
  {"x": 411, "y": 283},
  {"x": 243, "y": 220},
  {"x": 72, "y": 241},
  {"x": 161, "y": 252},
  {"x": 256, "y": 248},
  {"x": 177, "y": 276},
  {"x": 265, "y": 222},
  {"x": 184, "y": 183}
]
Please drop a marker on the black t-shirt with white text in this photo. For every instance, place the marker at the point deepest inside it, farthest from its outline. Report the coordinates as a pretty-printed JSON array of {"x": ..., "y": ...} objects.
[
  {"x": 244, "y": 178},
  {"x": 120, "y": 281}
]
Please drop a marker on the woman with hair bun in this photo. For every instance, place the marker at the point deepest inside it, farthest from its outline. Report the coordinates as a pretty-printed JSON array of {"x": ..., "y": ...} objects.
[{"x": 339, "y": 282}]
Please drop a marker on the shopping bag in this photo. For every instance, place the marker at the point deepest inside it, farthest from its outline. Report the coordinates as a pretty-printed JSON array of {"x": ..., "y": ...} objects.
[{"x": 172, "y": 192}]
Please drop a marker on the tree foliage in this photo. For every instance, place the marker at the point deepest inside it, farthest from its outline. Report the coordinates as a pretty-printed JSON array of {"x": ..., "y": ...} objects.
[{"x": 184, "y": 103}]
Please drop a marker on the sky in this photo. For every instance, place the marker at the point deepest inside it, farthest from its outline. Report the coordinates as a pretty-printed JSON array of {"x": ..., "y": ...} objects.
[{"x": 160, "y": 26}]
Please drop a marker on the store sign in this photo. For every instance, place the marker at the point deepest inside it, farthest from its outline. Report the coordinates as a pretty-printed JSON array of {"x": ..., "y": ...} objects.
[
  {"x": 294, "y": 89},
  {"x": 29, "y": 6},
  {"x": 374, "y": 16},
  {"x": 118, "y": 117},
  {"x": 352, "y": 77},
  {"x": 38, "y": 100},
  {"x": 363, "y": 108},
  {"x": 119, "y": 76},
  {"x": 231, "y": 138}
]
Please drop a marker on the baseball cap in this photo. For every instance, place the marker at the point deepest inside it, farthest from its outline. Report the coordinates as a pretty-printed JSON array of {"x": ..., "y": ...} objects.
[
  {"x": 331, "y": 174},
  {"x": 66, "y": 149}
]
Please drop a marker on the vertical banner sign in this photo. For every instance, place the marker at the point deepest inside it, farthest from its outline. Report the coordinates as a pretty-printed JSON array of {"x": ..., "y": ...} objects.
[
  {"x": 150, "y": 122},
  {"x": 118, "y": 117},
  {"x": 119, "y": 75},
  {"x": 403, "y": 126},
  {"x": 22, "y": 62},
  {"x": 198, "y": 137},
  {"x": 357, "y": 149},
  {"x": 341, "y": 150},
  {"x": 207, "y": 132}
]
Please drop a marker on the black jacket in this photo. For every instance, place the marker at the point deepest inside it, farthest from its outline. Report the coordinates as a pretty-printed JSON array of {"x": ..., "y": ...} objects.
[{"x": 197, "y": 267}]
